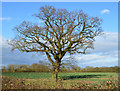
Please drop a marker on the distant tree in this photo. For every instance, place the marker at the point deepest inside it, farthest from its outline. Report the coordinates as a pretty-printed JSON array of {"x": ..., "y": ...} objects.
[
  {"x": 88, "y": 68},
  {"x": 60, "y": 32},
  {"x": 23, "y": 68},
  {"x": 3, "y": 69},
  {"x": 35, "y": 67},
  {"x": 44, "y": 66},
  {"x": 11, "y": 68}
]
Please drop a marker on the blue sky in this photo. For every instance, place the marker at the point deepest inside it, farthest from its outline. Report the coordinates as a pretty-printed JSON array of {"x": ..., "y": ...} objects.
[
  {"x": 15, "y": 13},
  {"x": 106, "y": 47}
]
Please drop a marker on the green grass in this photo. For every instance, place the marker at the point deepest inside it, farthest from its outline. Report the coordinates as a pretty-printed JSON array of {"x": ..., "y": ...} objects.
[
  {"x": 65, "y": 76},
  {"x": 33, "y": 80},
  {"x": 27, "y": 75}
]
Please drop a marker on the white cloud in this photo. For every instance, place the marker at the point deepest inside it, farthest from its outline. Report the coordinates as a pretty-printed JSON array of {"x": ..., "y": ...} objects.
[
  {"x": 5, "y": 18},
  {"x": 105, "y": 11},
  {"x": 97, "y": 56},
  {"x": 104, "y": 54},
  {"x": 90, "y": 57},
  {"x": 106, "y": 43},
  {"x": 15, "y": 57},
  {"x": 3, "y": 41},
  {"x": 98, "y": 59}
]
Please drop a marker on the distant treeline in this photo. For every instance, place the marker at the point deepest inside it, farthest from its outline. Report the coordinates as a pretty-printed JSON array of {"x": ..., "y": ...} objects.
[{"x": 44, "y": 67}]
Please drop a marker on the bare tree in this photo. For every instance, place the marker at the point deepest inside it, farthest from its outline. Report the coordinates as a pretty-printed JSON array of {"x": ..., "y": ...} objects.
[{"x": 61, "y": 32}]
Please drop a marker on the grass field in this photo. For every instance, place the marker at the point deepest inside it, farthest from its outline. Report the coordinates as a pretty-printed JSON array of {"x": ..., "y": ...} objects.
[{"x": 66, "y": 81}]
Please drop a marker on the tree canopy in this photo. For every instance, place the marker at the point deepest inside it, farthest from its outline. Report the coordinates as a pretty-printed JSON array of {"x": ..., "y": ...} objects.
[{"x": 61, "y": 32}]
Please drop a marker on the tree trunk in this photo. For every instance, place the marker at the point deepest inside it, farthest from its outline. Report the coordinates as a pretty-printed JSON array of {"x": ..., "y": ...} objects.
[
  {"x": 55, "y": 73},
  {"x": 55, "y": 76}
]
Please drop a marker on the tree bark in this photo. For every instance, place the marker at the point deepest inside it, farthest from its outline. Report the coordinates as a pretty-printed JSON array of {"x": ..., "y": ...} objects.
[
  {"x": 55, "y": 72},
  {"x": 55, "y": 76}
]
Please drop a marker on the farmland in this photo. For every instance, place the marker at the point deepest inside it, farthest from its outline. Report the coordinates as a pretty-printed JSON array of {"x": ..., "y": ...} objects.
[{"x": 32, "y": 80}]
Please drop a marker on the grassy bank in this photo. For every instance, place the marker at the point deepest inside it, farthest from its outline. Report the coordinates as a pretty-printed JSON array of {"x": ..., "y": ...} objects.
[{"x": 66, "y": 81}]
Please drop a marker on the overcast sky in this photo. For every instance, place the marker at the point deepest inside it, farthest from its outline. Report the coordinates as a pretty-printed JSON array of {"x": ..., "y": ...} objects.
[{"x": 106, "y": 47}]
